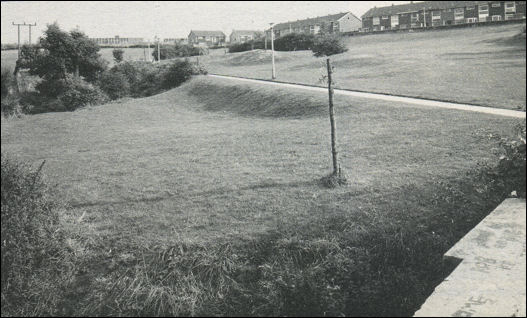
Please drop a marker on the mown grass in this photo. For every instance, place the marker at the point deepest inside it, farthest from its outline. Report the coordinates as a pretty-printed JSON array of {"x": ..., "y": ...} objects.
[
  {"x": 199, "y": 201},
  {"x": 484, "y": 65}
]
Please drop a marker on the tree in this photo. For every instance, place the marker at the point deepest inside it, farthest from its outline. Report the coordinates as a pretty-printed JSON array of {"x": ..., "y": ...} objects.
[
  {"x": 336, "y": 177},
  {"x": 118, "y": 55},
  {"x": 62, "y": 53}
]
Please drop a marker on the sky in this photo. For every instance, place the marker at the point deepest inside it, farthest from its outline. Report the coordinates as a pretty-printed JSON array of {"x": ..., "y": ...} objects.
[{"x": 166, "y": 19}]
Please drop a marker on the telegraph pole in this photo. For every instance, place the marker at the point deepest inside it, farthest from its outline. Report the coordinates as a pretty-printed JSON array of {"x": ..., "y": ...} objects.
[
  {"x": 272, "y": 50},
  {"x": 18, "y": 27}
]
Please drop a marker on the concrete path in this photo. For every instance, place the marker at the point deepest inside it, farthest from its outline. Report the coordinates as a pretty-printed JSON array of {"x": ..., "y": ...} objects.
[
  {"x": 490, "y": 280},
  {"x": 394, "y": 98}
]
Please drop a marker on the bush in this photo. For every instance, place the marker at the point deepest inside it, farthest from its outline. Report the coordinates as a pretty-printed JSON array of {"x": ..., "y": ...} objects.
[
  {"x": 8, "y": 82},
  {"x": 114, "y": 84},
  {"x": 247, "y": 46},
  {"x": 78, "y": 93},
  {"x": 178, "y": 73},
  {"x": 118, "y": 55},
  {"x": 34, "y": 253},
  {"x": 328, "y": 45},
  {"x": 509, "y": 173},
  {"x": 10, "y": 100},
  {"x": 294, "y": 42},
  {"x": 170, "y": 51}
]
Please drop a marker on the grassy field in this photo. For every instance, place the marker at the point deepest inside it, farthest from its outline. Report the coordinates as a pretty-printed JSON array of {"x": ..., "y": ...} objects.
[
  {"x": 217, "y": 162},
  {"x": 484, "y": 65}
]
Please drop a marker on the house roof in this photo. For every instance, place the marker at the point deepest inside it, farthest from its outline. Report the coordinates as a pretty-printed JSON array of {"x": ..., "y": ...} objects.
[
  {"x": 414, "y": 7},
  {"x": 207, "y": 33},
  {"x": 244, "y": 32},
  {"x": 310, "y": 21}
]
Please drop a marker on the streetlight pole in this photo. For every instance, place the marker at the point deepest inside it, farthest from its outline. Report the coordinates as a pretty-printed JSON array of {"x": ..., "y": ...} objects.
[{"x": 272, "y": 50}]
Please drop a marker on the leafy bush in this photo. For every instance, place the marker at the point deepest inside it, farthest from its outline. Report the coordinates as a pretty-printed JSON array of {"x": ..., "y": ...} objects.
[
  {"x": 246, "y": 46},
  {"x": 170, "y": 51},
  {"x": 179, "y": 72},
  {"x": 8, "y": 82},
  {"x": 114, "y": 84},
  {"x": 34, "y": 254},
  {"x": 509, "y": 173},
  {"x": 118, "y": 55},
  {"x": 78, "y": 93},
  {"x": 294, "y": 42},
  {"x": 328, "y": 45}
]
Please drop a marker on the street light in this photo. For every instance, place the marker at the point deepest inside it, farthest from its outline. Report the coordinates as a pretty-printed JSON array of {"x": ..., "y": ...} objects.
[{"x": 272, "y": 50}]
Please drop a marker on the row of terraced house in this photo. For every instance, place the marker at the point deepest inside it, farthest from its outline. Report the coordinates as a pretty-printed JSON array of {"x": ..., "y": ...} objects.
[{"x": 440, "y": 13}]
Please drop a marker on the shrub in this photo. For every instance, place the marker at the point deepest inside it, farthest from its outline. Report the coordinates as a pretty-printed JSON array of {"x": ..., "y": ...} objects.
[
  {"x": 78, "y": 93},
  {"x": 118, "y": 55},
  {"x": 328, "y": 45},
  {"x": 34, "y": 254},
  {"x": 10, "y": 105},
  {"x": 170, "y": 51},
  {"x": 247, "y": 46},
  {"x": 114, "y": 84},
  {"x": 178, "y": 73},
  {"x": 8, "y": 82},
  {"x": 294, "y": 42},
  {"x": 510, "y": 171}
]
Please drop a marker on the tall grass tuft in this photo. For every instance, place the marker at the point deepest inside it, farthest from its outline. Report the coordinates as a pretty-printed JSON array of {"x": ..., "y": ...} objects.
[{"x": 35, "y": 260}]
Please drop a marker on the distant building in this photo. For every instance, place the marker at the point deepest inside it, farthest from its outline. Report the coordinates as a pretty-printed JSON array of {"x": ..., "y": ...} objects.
[
  {"x": 206, "y": 38},
  {"x": 118, "y": 41},
  {"x": 440, "y": 13},
  {"x": 333, "y": 23},
  {"x": 242, "y": 36}
]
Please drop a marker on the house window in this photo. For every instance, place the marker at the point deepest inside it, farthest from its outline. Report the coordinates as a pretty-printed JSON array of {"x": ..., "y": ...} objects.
[
  {"x": 436, "y": 15},
  {"x": 415, "y": 17},
  {"x": 470, "y": 8},
  {"x": 509, "y": 16},
  {"x": 483, "y": 8},
  {"x": 385, "y": 17},
  {"x": 472, "y": 20},
  {"x": 496, "y": 18},
  {"x": 496, "y": 5},
  {"x": 459, "y": 14},
  {"x": 376, "y": 21},
  {"x": 483, "y": 11},
  {"x": 510, "y": 7},
  {"x": 394, "y": 21}
]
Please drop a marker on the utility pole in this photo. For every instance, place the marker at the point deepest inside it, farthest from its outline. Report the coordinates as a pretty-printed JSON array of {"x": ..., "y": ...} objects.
[
  {"x": 149, "y": 55},
  {"x": 18, "y": 27},
  {"x": 272, "y": 50},
  {"x": 158, "y": 51}
]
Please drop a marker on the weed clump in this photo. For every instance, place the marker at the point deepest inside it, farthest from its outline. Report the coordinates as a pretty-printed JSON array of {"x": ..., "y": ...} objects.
[{"x": 35, "y": 266}]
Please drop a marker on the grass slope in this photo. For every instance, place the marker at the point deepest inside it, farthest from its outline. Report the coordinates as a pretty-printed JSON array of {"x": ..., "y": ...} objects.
[
  {"x": 212, "y": 163},
  {"x": 484, "y": 65}
]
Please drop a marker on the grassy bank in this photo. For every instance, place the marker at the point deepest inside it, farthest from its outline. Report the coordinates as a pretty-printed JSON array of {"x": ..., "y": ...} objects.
[
  {"x": 484, "y": 65},
  {"x": 190, "y": 203}
]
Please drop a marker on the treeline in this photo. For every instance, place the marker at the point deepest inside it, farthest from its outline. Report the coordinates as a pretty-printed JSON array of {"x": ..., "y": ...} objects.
[
  {"x": 72, "y": 74},
  {"x": 327, "y": 43}
]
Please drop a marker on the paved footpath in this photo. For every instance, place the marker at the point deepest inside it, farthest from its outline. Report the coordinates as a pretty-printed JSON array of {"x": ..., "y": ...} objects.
[
  {"x": 490, "y": 280},
  {"x": 394, "y": 98}
]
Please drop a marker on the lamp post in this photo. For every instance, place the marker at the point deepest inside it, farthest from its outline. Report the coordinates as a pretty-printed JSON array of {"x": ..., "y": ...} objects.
[{"x": 272, "y": 50}]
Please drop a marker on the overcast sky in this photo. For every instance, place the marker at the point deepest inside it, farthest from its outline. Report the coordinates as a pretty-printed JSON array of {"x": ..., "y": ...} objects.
[{"x": 167, "y": 19}]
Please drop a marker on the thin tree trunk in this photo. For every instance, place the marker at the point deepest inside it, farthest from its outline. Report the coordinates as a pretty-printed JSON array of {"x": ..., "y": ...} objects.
[{"x": 332, "y": 121}]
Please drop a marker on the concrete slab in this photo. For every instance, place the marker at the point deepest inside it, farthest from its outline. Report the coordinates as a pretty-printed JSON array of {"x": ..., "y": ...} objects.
[{"x": 491, "y": 279}]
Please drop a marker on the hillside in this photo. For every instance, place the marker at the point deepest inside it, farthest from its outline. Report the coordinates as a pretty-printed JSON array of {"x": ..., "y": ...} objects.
[
  {"x": 181, "y": 203},
  {"x": 484, "y": 65}
]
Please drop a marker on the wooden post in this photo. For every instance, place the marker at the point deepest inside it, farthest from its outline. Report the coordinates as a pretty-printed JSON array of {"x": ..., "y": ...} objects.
[{"x": 332, "y": 121}]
